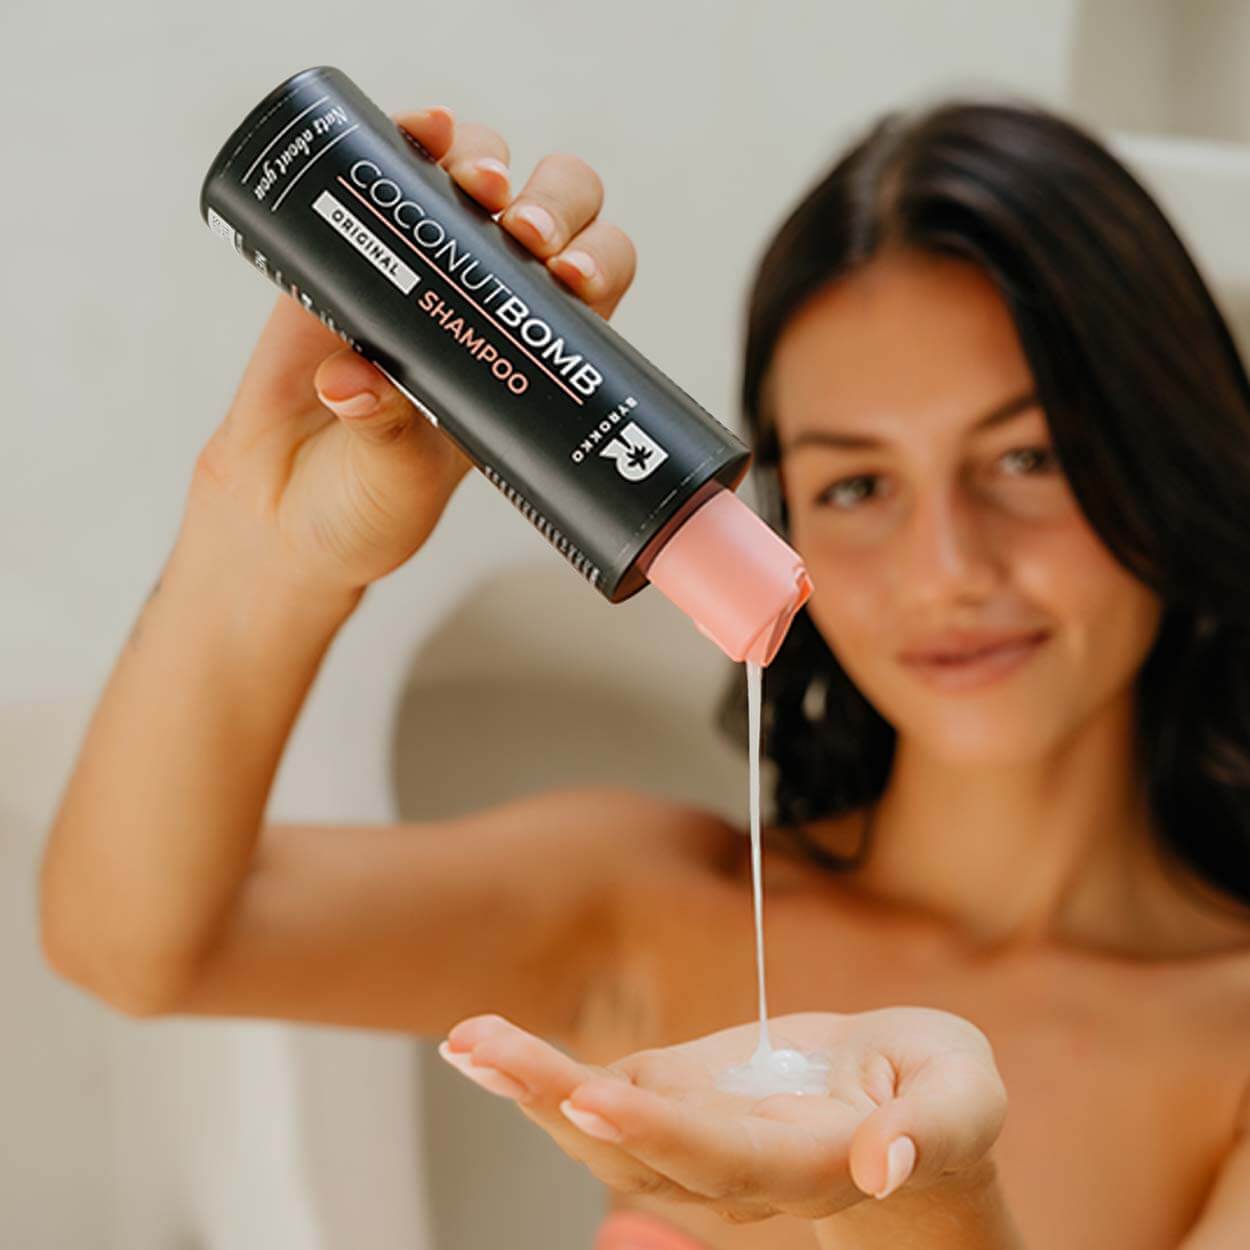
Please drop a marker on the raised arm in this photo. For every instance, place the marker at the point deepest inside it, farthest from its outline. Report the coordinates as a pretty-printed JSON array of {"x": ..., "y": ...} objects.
[{"x": 161, "y": 889}]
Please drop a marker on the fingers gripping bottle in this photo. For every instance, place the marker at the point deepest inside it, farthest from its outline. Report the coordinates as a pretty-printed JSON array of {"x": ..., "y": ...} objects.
[{"x": 616, "y": 466}]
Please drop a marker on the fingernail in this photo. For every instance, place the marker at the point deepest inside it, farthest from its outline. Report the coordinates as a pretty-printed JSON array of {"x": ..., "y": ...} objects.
[
  {"x": 353, "y": 405},
  {"x": 539, "y": 218},
  {"x": 899, "y": 1161},
  {"x": 583, "y": 263},
  {"x": 589, "y": 1122},
  {"x": 490, "y": 163},
  {"x": 488, "y": 1078}
]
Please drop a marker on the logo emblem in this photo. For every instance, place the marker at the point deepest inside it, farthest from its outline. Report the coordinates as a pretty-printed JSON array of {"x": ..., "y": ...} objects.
[{"x": 636, "y": 453}]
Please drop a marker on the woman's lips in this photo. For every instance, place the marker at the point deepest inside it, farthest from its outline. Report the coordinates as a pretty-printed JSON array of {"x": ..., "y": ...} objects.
[{"x": 978, "y": 669}]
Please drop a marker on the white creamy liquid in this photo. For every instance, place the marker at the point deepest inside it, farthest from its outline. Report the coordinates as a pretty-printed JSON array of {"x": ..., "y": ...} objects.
[{"x": 782, "y": 1070}]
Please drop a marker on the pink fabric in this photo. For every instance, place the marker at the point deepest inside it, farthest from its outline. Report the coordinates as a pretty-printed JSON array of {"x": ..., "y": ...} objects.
[
  {"x": 638, "y": 1230},
  {"x": 734, "y": 576}
]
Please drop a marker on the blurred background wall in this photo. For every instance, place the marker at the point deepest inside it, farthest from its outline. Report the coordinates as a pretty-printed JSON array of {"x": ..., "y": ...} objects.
[{"x": 125, "y": 330}]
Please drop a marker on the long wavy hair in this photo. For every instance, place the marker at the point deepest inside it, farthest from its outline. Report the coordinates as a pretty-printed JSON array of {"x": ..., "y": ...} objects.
[{"x": 1148, "y": 405}]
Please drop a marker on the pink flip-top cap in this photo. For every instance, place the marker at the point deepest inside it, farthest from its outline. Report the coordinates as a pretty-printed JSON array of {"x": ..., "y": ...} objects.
[{"x": 737, "y": 579}]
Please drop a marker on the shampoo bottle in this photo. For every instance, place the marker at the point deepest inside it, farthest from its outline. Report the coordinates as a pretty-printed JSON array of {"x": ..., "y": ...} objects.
[{"x": 615, "y": 465}]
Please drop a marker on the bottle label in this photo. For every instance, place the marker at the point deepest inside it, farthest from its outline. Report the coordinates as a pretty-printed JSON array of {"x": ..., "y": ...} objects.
[{"x": 339, "y": 206}]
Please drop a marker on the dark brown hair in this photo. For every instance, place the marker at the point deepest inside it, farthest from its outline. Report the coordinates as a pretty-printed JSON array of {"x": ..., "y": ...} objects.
[{"x": 1148, "y": 406}]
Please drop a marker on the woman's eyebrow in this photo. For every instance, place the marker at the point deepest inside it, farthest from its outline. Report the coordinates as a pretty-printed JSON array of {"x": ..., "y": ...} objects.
[{"x": 866, "y": 442}]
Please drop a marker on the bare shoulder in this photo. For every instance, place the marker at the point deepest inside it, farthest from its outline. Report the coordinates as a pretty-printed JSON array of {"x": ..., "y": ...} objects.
[
  {"x": 683, "y": 847},
  {"x": 1227, "y": 984},
  {"x": 680, "y": 833},
  {"x": 1197, "y": 978},
  {"x": 1229, "y": 988},
  {"x": 670, "y": 836},
  {"x": 800, "y": 857},
  {"x": 616, "y": 815}
]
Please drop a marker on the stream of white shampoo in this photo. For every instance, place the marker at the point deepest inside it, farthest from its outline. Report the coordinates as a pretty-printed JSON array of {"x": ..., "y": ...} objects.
[{"x": 771, "y": 1069}]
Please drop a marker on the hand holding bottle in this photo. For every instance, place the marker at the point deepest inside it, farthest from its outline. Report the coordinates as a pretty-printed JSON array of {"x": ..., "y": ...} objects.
[{"x": 323, "y": 471}]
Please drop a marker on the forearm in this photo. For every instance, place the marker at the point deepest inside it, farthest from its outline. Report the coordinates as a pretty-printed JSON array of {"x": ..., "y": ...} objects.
[
  {"x": 159, "y": 819},
  {"x": 968, "y": 1214}
]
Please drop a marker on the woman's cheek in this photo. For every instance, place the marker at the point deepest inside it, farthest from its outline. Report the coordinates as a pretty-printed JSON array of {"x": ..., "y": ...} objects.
[{"x": 1111, "y": 617}]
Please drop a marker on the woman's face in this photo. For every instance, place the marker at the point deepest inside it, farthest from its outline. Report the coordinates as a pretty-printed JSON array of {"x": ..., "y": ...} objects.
[{"x": 948, "y": 521}]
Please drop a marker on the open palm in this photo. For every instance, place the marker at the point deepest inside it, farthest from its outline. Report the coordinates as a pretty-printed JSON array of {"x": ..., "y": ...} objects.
[{"x": 654, "y": 1122}]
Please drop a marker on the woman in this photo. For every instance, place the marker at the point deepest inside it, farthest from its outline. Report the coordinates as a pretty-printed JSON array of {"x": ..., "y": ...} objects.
[{"x": 1004, "y": 413}]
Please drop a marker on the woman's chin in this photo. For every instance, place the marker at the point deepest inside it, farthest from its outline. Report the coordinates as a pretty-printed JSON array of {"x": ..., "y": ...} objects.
[{"x": 985, "y": 739}]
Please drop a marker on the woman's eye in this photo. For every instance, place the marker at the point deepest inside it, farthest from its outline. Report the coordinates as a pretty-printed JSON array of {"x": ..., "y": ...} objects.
[
  {"x": 1033, "y": 460},
  {"x": 846, "y": 492}
]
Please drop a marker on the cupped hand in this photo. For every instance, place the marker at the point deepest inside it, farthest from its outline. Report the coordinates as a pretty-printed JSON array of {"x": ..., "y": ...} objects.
[{"x": 914, "y": 1100}]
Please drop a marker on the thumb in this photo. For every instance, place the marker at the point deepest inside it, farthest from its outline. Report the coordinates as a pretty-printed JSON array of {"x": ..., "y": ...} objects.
[
  {"x": 943, "y": 1119},
  {"x": 362, "y": 396}
]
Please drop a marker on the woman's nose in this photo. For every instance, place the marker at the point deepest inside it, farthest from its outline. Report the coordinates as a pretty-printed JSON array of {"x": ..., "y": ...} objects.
[{"x": 946, "y": 548}]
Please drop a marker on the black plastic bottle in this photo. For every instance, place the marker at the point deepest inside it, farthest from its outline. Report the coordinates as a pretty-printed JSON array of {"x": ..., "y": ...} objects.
[{"x": 617, "y": 467}]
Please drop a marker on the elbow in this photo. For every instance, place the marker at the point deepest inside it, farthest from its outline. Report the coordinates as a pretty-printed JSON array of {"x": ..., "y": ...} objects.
[
  {"x": 129, "y": 985},
  {"x": 141, "y": 996}
]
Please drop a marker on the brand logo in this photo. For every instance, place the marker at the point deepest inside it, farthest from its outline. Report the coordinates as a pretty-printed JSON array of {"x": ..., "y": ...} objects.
[
  {"x": 636, "y": 453},
  {"x": 474, "y": 279}
]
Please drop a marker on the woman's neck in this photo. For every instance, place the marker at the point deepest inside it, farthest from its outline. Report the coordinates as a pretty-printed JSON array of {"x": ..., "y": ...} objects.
[{"x": 1058, "y": 851}]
